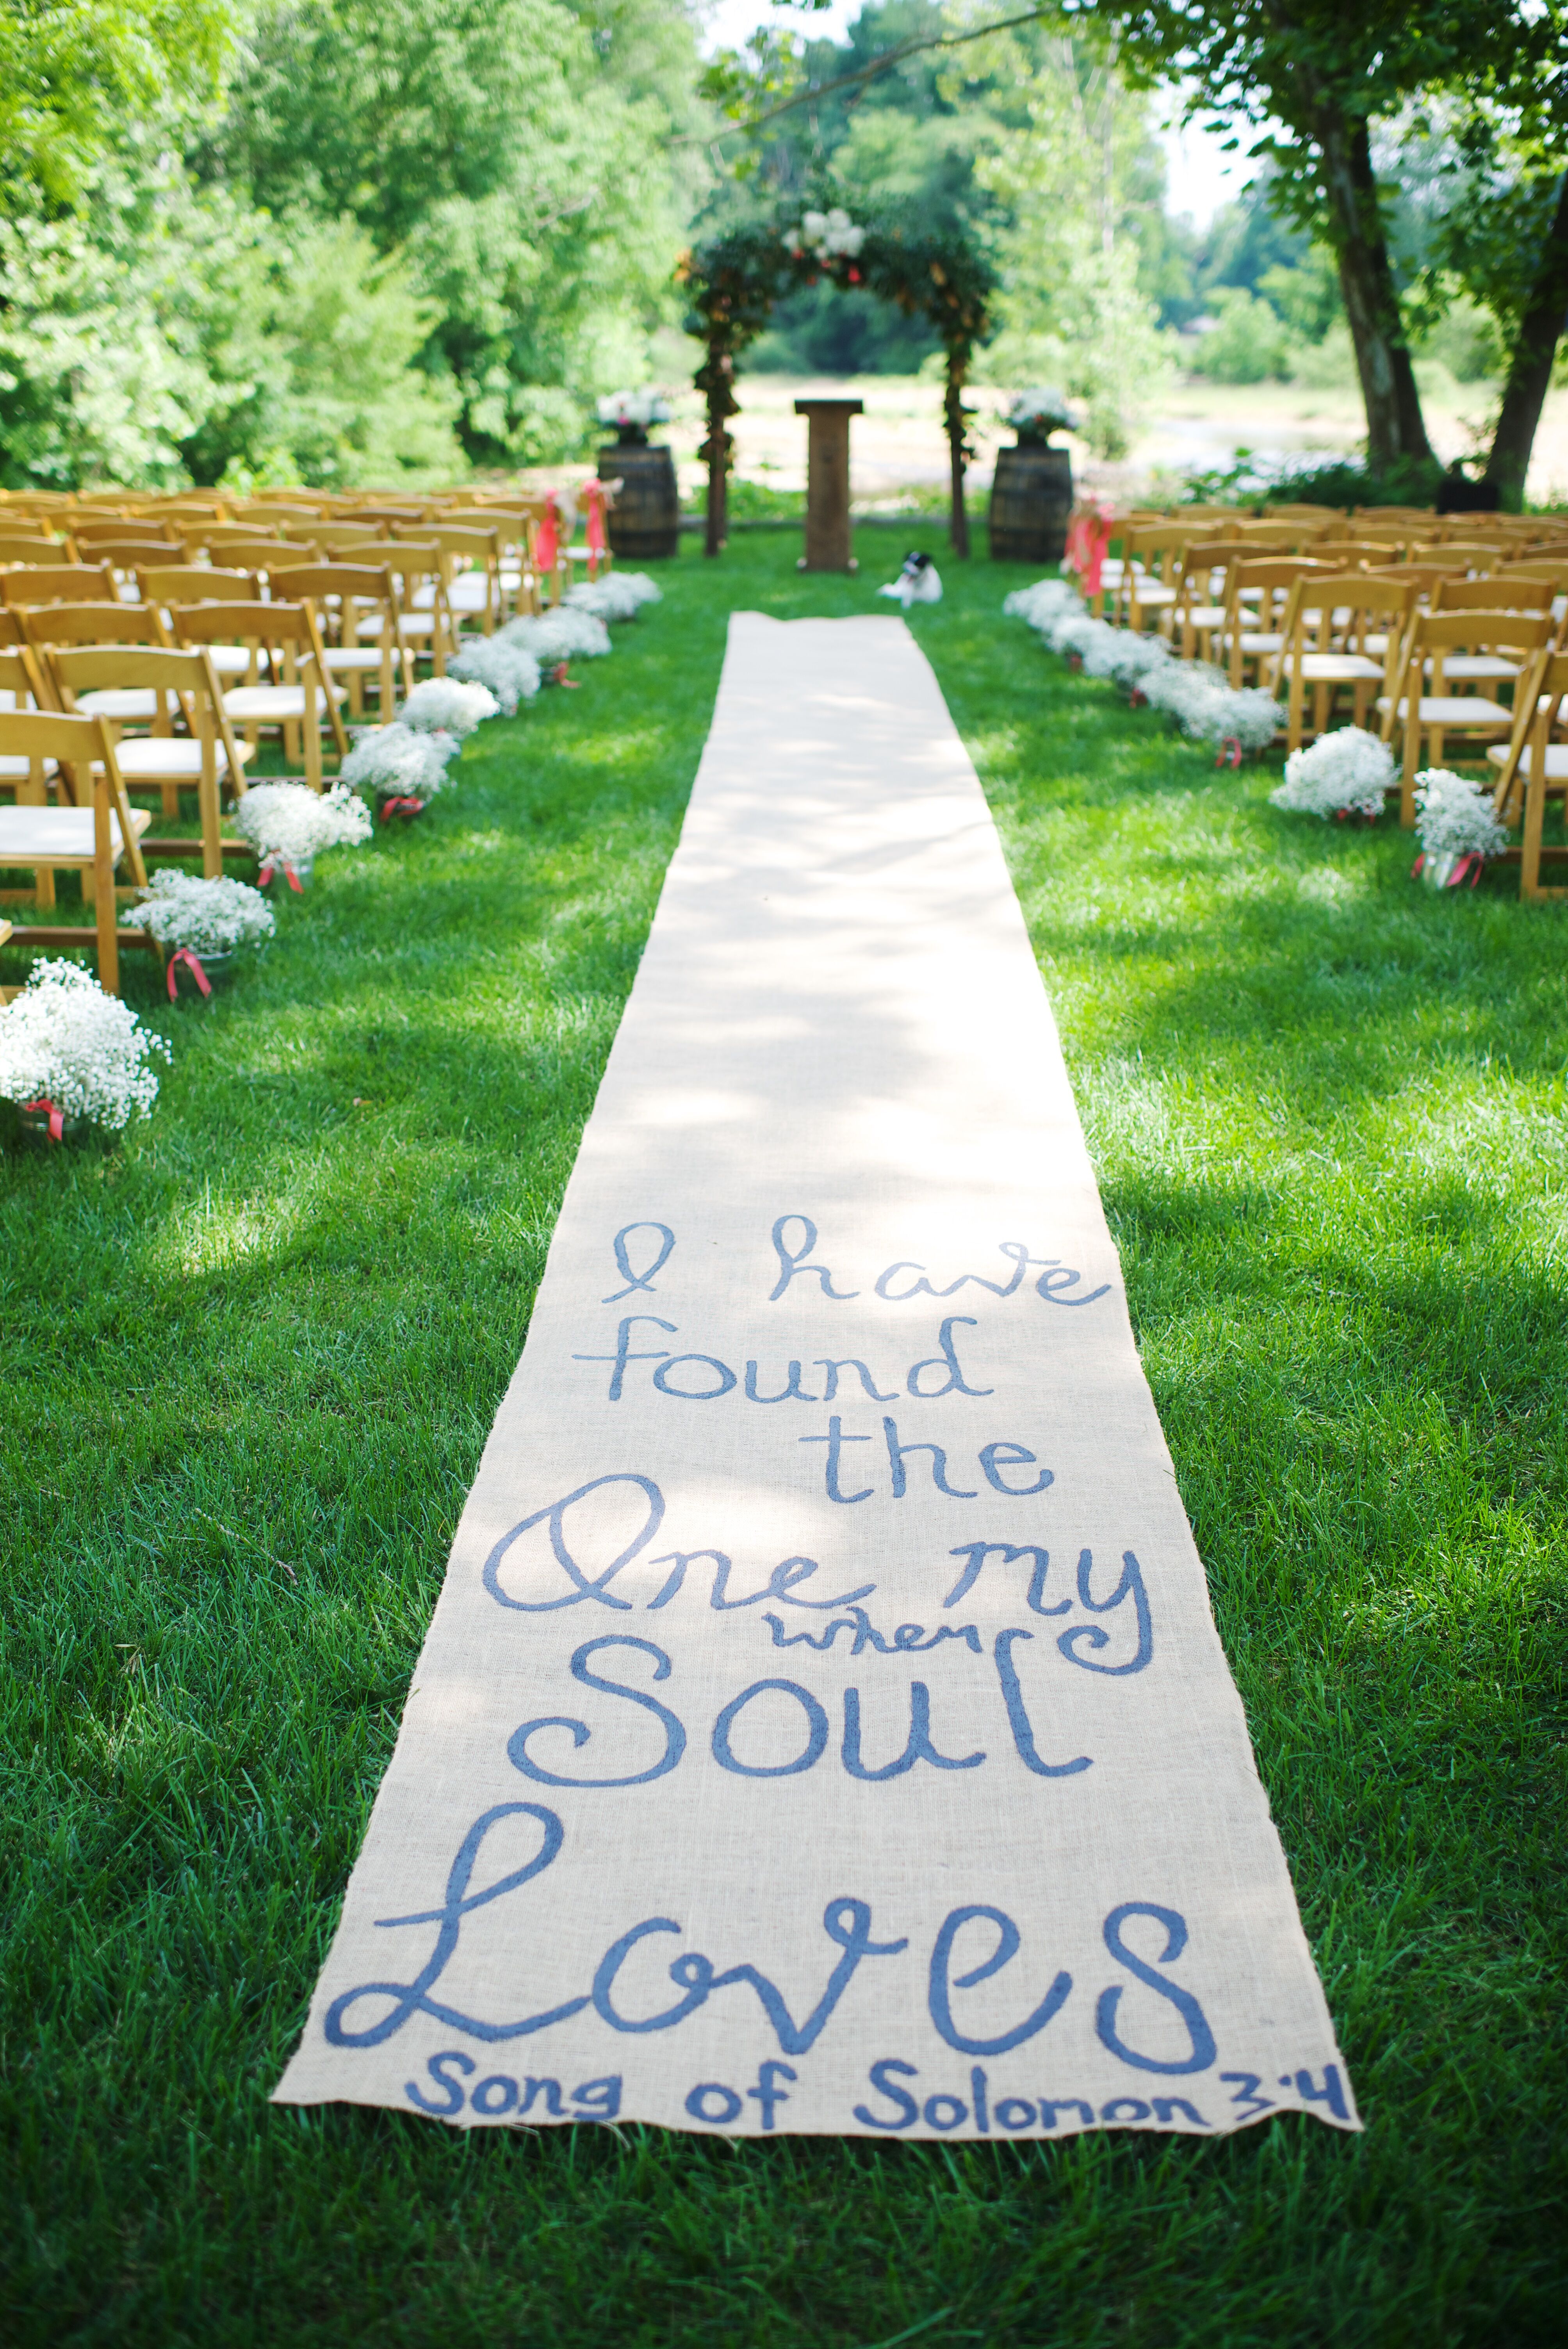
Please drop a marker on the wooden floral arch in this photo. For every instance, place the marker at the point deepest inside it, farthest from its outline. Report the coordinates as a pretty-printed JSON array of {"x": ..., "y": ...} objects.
[{"x": 734, "y": 281}]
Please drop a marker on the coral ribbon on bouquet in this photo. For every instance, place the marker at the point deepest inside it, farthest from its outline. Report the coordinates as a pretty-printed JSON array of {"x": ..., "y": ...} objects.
[
  {"x": 183, "y": 955},
  {"x": 1230, "y": 751},
  {"x": 406, "y": 807},
  {"x": 56, "y": 1115},
  {"x": 279, "y": 864}
]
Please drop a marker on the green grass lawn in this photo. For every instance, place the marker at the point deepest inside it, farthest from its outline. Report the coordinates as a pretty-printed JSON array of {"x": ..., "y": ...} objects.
[{"x": 250, "y": 1356}]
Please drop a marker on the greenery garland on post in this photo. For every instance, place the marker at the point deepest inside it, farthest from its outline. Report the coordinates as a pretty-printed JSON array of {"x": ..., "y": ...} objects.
[{"x": 734, "y": 282}]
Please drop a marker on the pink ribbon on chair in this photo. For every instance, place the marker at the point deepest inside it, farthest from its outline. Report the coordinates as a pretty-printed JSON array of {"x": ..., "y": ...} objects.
[
  {"x": 546, "y": 543},
  {"x": 594, "y": 497},
  {"x": 1087, "y": 541},
  {"x": 278, "y": 865},
  {"x": 56, "y": 1115},
  {"x": 183, "y": 955},
  {"x": 408, "y": 808}
]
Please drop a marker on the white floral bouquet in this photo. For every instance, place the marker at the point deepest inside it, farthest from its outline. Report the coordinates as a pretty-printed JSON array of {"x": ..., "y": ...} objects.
[
  {"x": 396, "y": 762},
  {"x": 638, "y": 408},
  {"x": 504, "y": 670},
  {"x": 448, "y": 704},
  {"x": 566, "y": 634},
  {"x": 1341, "y": 774},
  {"x": 832, "y": 236},
  {"x": 1046, "y": 602},
  {"x": 288, "y": 825},
  {"x": 71, "y": 1050},
  {"x": 1456, "y": 826},
  {"x": 619, "y": 595},
  {"x": 1208, "y": 708},
  {"x": 206, "y": 918},
  {"x": 1036, "y": 415}
]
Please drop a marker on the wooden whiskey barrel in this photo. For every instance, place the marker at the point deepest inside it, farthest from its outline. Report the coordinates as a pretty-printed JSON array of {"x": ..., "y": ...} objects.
[
  {"x": 645, "y": 520},
  {"x": 1031, "y": 499}
]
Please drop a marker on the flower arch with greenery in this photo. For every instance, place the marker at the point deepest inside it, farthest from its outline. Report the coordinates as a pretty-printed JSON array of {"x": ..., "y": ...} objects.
[{"x": 734, "y": 281}]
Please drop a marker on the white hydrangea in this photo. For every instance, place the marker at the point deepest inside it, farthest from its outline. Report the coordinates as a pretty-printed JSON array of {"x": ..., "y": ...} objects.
[
  {"x": 1032, "y": 410},
  {"x": 397, "y": 763},
  {"x": 447, "y": 705},
  {"x": 503, "y": 670},
  {"x": 64, "y": 1040},
  {"x": 830, "y": 235},
  {"x": 1348, "y": 771},
  {"x": 210, "y": 917},
  {"x": 292, "y": 823},
  {"x": 643, "y": 408},
  {"x": 1455, "y": 817},
  {"x": 619, "y": 595},
  {"x": 566, "y": 633}
]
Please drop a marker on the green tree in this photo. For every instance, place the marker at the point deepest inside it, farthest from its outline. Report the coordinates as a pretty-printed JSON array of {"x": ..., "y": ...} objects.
[{"x": 72, "y": 72}]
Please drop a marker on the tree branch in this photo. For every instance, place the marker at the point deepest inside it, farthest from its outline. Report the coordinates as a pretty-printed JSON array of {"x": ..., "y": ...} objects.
[{"x": 879, "y": 64}]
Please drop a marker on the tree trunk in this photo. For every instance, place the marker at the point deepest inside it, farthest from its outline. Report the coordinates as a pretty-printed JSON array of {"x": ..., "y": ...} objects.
[
  {"x": 954, "y": 415},
  {"x": 720, "y": 372},
  {"x": 1395, "y": 427},
  {"x": 1531, "y": 362}
]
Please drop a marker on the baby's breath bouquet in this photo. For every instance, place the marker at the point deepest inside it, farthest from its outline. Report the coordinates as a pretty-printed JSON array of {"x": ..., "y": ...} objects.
[
  {"x": 1345, "y": 774},
  {"x": 1456, "y": 829},
  {"x": 288, "y": 825},
  {"x": 70, "y": 1054},
  {"x": 209, "y": 919}
]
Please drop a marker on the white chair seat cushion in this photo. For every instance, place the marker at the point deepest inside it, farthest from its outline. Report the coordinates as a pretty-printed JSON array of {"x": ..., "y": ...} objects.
[
  {"x": 1332, "y": 668},
  {"x": 1255, "y": 640},
  {"x": 1456, "y": 710},
  {"x": 348, "y": 656},
  {"x": 269, "y": 705},
  {"x": 410, "y": 624},
  {"x": 35, "y": 835},
  {"x": 470, "y": 592},
  {"x": 230, "y": 660},
  {"x": 1556, "y": 760},
  {"x": 1143, "y": 591},
  {"x": 154, "y": 759},
  {"x": 14, "y": 771},
  {"x": 1470, "y": 666},
  {"x": 1205, "y": 616},
  {"x": 132, "y": 701}
]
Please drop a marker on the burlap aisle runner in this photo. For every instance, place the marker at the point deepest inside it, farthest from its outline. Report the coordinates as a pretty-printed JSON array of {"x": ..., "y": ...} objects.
[{"x": 822, "y": 1726}]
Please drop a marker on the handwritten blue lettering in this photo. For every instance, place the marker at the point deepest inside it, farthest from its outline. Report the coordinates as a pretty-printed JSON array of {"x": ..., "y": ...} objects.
[
  {"x": 1008, "y": 1943},
  {"x": 793, "y": 1261},
  {"x": 1017, "y": 1715},
  {"x": 919, "y": 1747},
  {"x": 675, "y": 1735},
  {"x": 1187, "y": 2007},
  {"x": 583, "y": 1588},
  {"x": 1091, "y": 1635},
  {"x": 636, "y": 1280}
]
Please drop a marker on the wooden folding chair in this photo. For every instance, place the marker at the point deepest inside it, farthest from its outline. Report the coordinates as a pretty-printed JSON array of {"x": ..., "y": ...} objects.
[
  {"x": 472, "y": 553},
  {"x": 346, "y": 541},
  {"x": 87, "y": 835},
  {"x": 1419, "y": 715},
  {"x": 1257, "y": 596},
  {"x": 342, "y": 595},
  {"x": 163, "y": 590},
  {"x": 424, "y": 623},
  {"x": 301, "y": 697},
  {"x": 1533, "y": 768},
  {"x": 1199, "y": 611},
  {"x": 203, "y": 759},
  {"x": 1152, "y": 569},
  {"x": 72, "y": 582},
  {"x": 128, "y": 625},
  {"x": 1331, "y": 621},
  {"x": 29, "y": 547},
  {"x": 22, "y": 686}
]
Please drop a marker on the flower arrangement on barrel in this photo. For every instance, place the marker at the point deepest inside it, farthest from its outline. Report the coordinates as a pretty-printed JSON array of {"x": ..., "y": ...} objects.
[
  {"x": 1034, "y": 416},
  {"x": 632, "y": 413}
]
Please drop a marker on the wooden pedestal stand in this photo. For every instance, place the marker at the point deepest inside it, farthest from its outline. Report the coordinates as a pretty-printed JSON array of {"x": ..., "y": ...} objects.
[{"x": 828, "y": 483}]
